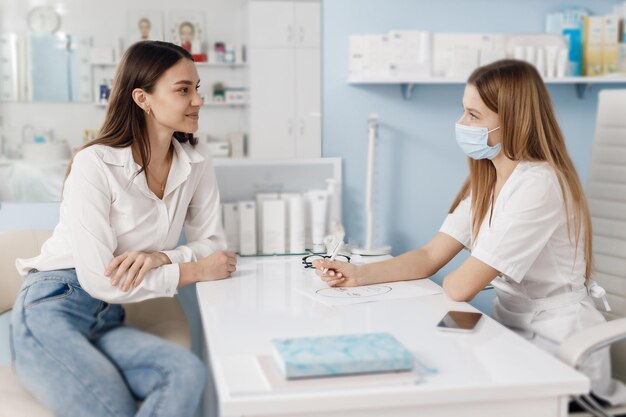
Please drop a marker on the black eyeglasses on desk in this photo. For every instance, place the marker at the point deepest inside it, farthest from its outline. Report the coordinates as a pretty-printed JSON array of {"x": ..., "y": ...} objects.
[{"x": 308, "y": 260}]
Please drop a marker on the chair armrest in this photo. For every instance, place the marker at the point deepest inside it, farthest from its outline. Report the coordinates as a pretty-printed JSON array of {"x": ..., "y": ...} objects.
[{"x": 576, "y": 348}]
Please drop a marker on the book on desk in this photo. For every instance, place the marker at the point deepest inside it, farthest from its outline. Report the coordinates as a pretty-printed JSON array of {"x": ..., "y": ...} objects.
[{"x": 325, "y": 356}]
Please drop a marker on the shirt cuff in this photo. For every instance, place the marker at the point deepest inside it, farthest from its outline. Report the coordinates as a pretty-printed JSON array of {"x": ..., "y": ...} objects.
[
  {"x": 176, "y": 256},
  {"x": 502, "y": 266},
  {"x": 166, "y": 282}
]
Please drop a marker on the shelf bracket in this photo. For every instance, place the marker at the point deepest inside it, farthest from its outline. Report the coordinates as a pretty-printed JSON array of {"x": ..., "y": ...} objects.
[
  {"x": 582, "y": 89},
  {"x": 407, "y": 90}
]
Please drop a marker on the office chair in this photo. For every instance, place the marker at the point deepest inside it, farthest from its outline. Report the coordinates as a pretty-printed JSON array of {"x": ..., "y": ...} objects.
[
  {"x": 607, "y": 202},
  {"x": 163, "y": 317}
]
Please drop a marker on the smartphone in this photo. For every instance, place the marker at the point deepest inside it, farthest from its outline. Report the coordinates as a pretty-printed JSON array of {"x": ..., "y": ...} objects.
[{"x": 459, "y": 321}]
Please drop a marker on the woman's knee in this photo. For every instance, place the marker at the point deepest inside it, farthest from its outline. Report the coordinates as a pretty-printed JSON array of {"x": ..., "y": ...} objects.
[
  {"x": 192, "y": 371},
  {"x": 183, "y": 367}
]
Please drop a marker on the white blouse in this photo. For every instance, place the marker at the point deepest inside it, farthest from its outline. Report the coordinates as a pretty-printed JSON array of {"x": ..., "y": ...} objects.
[
  {"x": 528, "y": 239},
  {"x": 541, "y": 292},
  {"x": 107, "y": 210}
]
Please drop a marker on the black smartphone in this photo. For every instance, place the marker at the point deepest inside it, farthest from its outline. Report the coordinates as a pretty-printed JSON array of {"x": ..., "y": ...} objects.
[{"x": 459, "y": 321}]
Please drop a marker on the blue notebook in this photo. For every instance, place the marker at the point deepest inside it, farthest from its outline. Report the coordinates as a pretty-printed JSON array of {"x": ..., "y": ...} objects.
[{"x": 306, "y": 357}]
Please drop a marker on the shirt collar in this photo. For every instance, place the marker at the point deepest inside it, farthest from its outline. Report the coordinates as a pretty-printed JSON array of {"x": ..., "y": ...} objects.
[
  {"x": 124, "y": 156},
  {"x": 184, "y": 156}
]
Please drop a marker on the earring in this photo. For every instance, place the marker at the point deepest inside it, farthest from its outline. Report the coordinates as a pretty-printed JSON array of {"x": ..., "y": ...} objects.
[{"x": 148, "y": 111}]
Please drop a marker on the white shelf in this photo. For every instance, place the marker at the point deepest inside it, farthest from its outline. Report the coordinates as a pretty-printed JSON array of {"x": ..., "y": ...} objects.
[
  {"x": 583, "y": 84},
  {"x": 222, "y": 104},
  {"x": 198, "y": 64},
  {"x": 222, "y": 64},
  {"x": 443, "y": 80},
  {"x": 209, "y": 104}
]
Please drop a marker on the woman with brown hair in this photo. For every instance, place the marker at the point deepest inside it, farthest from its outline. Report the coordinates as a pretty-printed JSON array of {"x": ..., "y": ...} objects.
[
  {"x": 126, "y": 199},
  {"x": 521, "y": 213}
]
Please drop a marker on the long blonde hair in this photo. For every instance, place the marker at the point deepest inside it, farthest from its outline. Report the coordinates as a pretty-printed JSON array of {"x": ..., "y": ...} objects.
[{"x": 515, "y": 91}]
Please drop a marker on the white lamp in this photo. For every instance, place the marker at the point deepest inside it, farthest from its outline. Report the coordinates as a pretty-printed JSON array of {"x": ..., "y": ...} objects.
[{"x": 369, "y": 249}]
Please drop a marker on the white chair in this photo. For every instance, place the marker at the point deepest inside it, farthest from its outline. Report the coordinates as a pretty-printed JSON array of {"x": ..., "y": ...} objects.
[
  {"x": 163, "y": 317},
  {"x": 607, "y": 201}
]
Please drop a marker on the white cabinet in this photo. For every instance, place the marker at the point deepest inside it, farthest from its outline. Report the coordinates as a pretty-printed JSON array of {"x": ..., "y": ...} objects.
[
  {"x": 308, "y": 117},
  {"x": 272, "y": 102},
  {"x": 307, "y": 29},
  {"x": 285, "y": 76},
  {"x": 9, "y": 88},
  {"x": 284, "y": 23}
]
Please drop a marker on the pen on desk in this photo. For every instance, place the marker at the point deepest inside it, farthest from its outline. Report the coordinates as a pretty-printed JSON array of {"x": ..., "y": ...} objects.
[{"x": 333, "y": 254}]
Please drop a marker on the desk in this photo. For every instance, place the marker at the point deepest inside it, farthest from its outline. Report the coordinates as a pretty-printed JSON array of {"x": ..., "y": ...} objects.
[{"x": 491, "y": 372}]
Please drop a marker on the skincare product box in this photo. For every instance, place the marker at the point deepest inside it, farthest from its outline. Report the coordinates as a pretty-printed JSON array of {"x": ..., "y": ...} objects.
[
  {"x": 247, "y": 228},
  {"x": 237, "y": 142},
  {"x": 306, "y": 357},
  {"x": 410, "y": 53},
  {"x": 610, "y": 44},
  {"x": 297, "y": 219},
  {"x": 260, "y": 198},
  {"x": 274, "y": 227},
  {"x": 219, "y": 149},
  {"x": 234, "y": 95},
  {"x": 230, "y": 218},
  {"x": 592, "y": 45}
]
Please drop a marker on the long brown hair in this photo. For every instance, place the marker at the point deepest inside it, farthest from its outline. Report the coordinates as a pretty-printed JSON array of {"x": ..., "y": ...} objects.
[
  {"x": 515, "y": 91},
  {"x": 125, "y": 122}
]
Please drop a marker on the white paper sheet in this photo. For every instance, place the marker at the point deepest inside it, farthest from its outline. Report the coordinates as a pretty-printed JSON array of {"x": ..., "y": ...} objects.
[{"x": 335, "y": 296}]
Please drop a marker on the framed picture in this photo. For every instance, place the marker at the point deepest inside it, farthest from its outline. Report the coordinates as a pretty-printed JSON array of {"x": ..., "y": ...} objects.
[
  {"x": 187, "y": 30},
  {"x": 144, "y": 25}
]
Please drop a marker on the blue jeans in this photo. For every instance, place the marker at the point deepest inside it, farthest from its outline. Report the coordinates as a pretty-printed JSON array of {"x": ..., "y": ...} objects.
[{"x": 75, "y": 355}]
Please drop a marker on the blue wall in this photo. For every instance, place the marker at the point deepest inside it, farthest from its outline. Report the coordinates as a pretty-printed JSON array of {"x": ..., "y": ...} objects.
[{"x": 419, "y": 166}]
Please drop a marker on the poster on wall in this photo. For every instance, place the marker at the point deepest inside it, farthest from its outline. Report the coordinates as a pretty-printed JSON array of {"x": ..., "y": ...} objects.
[
  {"x": 186, "y": 28},
  {"x": 144, "y": 25}
]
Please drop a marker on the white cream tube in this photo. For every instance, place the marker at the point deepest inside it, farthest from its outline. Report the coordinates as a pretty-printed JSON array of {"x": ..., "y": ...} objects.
[{"x": 319, "y": 202}]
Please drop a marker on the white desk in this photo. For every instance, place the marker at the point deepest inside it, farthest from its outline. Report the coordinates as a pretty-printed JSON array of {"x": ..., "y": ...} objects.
[{"x": 491, "y": 372}]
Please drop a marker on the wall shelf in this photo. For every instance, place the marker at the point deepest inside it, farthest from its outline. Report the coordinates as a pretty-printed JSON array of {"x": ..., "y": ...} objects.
[
  {"x": 407, "y": 85},
  {"x": 198, "y": 64},
  {"x": 207, "y": 104},
  {"x": 223, "y": 104}
]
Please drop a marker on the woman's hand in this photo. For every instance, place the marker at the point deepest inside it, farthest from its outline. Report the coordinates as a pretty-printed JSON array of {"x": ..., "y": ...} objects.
[
  {"x": 339, "y": 274},
  {"x": 136, "y": 264},
  {"x": 218, "y": 265}
]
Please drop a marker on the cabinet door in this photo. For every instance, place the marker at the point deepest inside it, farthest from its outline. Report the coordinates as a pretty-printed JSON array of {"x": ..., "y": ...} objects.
[
  {"x": 308, "y": 117},
  {"x": 307, "y": 24},
  {"x": 272, "y": 103},
  {"x": 271, "y": 23}
]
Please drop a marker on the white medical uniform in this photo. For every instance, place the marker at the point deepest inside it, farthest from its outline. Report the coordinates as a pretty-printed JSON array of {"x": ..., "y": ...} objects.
[{"x": 541, "y": 292}]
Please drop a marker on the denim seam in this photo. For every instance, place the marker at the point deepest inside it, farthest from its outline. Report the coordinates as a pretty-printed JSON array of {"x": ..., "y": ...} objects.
[
  {"x": 46, "y": 299},
  {"x": 160, "y": 387},
  {"x": 63, "y": 365},
  {"x": 12, "y": 346},
  {"x": 48, "y": 278}
]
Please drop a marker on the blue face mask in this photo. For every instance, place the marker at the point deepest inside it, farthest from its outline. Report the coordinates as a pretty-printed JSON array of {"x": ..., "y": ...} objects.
[{"x": 473, "y": 141}]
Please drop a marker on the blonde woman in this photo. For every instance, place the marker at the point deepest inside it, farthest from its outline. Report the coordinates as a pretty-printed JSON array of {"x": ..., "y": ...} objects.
[{"x": 521, "y": 213}]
